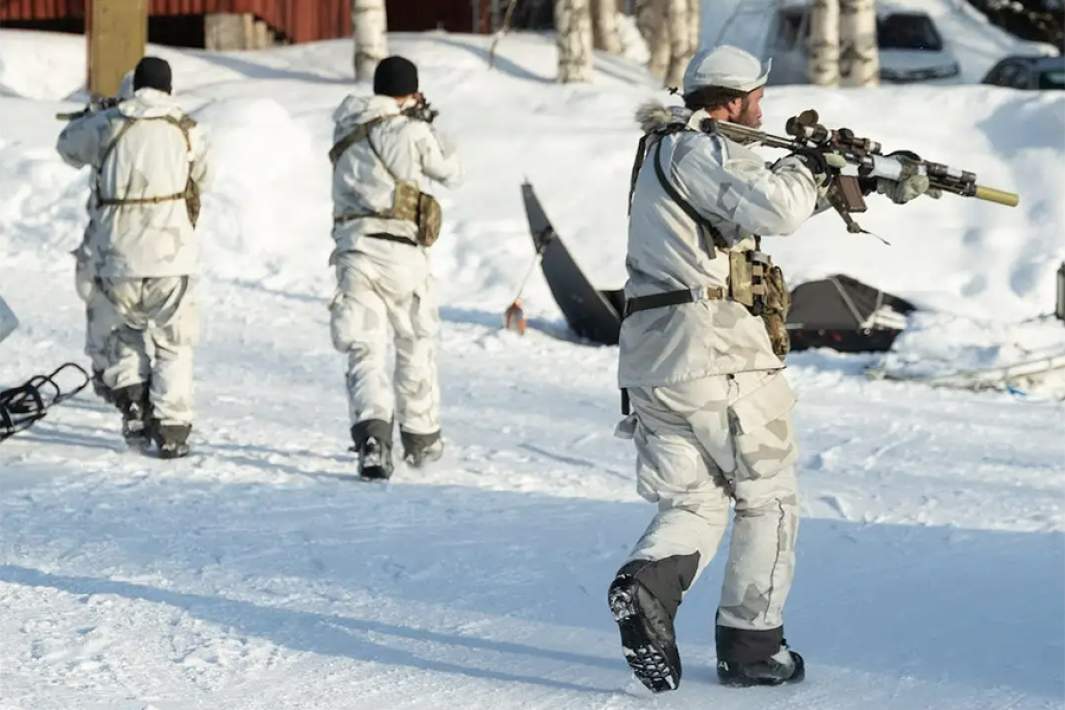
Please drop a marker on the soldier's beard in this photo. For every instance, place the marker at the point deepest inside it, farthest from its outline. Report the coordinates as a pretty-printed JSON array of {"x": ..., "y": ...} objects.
[{"x": 748, "y": 117}]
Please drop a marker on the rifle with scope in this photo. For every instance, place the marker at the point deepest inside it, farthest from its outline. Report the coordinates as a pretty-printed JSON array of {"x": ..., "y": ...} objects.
[
  {"x": 97, "y": 103},
  {"x": 863, "y": 160}
]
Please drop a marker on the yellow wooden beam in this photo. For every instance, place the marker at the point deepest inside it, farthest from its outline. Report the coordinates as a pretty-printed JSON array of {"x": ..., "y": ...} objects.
[{"x": 118, "y": 33}]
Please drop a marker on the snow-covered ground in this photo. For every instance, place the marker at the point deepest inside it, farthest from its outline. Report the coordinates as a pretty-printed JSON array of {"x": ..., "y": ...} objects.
[{"x": 258, "y": 574}]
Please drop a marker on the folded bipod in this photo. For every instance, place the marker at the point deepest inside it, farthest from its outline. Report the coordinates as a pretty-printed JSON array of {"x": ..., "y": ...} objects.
[{"x": 23, "y": 406}]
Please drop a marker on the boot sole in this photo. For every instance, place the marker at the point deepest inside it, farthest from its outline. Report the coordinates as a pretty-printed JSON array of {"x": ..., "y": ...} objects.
[
  {"x": 375, "y": 473},
  {"x": 647, "y": 660},
  {"x": 168, "y": 454}
]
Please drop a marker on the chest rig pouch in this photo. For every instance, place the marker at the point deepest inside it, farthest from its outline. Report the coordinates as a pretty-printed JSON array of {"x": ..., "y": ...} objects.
[
  {"x": 409, "y": 203},
  {"x": 758, "y": 284}
]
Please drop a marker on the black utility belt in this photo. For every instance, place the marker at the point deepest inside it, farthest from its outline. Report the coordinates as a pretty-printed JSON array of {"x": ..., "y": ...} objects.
[{"x": 673, "y": 298}]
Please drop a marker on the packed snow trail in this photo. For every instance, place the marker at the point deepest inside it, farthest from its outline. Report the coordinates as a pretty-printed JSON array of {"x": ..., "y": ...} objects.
[{"x": 259, "y": 573}]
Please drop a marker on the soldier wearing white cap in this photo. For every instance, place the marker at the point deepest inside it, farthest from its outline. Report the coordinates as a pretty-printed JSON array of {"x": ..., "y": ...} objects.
[{"x": 701, "y": 358}]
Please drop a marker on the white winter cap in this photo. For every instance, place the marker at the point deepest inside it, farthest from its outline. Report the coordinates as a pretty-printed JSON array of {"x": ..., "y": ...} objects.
[{"x": 728, "y": 67}]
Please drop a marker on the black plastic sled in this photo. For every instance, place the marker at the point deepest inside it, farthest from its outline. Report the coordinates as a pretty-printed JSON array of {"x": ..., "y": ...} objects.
[
  {"x": 846, "y": 315},
  {"x": 590, "y": 313},
  {"x": 838, "y": 312},
  {"x": 23, "y": 406}
]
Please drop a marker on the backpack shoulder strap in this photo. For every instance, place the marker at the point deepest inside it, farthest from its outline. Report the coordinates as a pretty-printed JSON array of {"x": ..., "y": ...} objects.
[
  {"x": 703, "y": 225},
  {"x": 127, "y": 123},
  {"x": 641, "y": 153},
  {"x": 359, "y": 133},
  {"x": 392, "y": 174},
  {"x": 637, "y": 163},
  {"x": 183, "y": 124}
]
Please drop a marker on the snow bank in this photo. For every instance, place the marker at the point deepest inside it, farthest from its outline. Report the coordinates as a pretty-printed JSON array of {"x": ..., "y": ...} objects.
[
  {"x": 41, "y": 65},
  {"x": 267, "y": 216},
  {"x": 271, "y": 133}
]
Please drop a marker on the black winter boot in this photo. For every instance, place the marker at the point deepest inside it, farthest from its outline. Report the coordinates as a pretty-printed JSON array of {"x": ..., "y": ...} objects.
[
  {"x": 784, "y": 666},
  {"x": 172, "y": 439},
  {"x": 100, "y": 388},
  {"x": 136, "y": 410},
  {"x": 643, "y": 598},
  {"x": 373, "y": 442},
  {"x": 419, "y": 449},
  {"x": 375, "y": 459}
]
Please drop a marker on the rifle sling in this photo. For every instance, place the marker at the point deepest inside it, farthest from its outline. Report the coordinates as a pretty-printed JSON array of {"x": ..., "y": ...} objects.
[{"x": 702, "y": 224}]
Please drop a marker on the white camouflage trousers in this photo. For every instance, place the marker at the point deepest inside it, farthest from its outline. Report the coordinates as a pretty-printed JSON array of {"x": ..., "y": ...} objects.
[
  {"x": 378, "y": 301},
  {"x": 100, "y": 317},
  {"x": 702, "y": 445},
  {"x": 153, "y": 343}
]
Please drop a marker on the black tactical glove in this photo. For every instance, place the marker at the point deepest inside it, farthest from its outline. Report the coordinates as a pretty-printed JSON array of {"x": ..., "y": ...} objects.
[{"x": 816, "y": 164}]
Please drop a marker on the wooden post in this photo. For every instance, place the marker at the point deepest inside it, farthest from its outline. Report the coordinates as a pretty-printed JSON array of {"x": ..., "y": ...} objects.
[{"x": 118, "y": 33}]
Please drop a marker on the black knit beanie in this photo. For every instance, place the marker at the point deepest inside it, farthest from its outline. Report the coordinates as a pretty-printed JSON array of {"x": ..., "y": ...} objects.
[
  {"x": 153, "y": 73},
  {"x": 395, "y": 76}
]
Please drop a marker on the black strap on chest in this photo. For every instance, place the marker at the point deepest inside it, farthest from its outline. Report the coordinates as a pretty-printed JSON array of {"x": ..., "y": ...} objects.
[
  {"x": 361, "y": 132},
  {"x": 708, "y": 233}
]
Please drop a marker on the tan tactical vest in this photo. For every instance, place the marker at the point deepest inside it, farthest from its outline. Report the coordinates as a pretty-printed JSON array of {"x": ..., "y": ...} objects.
[
  {"x": 191, "y": 193},
  {"x": 409, "y": 203}
]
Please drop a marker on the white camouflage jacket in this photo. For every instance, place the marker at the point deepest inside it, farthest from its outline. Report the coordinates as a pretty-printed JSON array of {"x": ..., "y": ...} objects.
[
  {"x": 150, "y": 159},
  {"x": 362, "y": 185},
  {"x": 741, "y": 196}
]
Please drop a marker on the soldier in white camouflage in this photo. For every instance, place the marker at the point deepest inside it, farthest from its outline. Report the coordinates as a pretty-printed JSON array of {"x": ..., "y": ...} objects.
[
  {"x": 385, "y": 153},
  {"x": 701, "y": 362},
  {"x": 100, "y": 318},
  {"x": 149, "y": 164}
]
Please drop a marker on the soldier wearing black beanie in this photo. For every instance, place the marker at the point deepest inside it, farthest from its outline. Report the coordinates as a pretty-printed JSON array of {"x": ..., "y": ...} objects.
[
  {"x": 395, "y": 76},
  {"x": 384, "y": 155},
  {"x": 152, "y": 73}
]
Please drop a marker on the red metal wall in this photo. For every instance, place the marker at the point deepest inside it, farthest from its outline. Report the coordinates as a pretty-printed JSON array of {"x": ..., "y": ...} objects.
[
  {"x": 41, "y": 9},
  {"x": 299, "y": 20}
]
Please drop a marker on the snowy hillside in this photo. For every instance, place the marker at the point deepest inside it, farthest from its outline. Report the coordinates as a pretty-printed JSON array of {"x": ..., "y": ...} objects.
[{"x": 258, "y": 574}]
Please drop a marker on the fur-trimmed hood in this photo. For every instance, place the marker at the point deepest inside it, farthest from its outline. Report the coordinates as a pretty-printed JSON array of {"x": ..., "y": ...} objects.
[{"x": 654, "y": 116}]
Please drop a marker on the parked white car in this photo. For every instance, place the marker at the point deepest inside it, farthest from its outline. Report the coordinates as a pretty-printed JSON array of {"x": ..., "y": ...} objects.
[
  {"x": 1036, "y": 73},
  {"x": 911, "y": 47}
]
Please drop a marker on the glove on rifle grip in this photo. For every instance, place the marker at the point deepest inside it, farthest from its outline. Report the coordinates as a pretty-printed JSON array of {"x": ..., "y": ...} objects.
[{"x": 815, "y": 163}]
